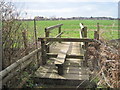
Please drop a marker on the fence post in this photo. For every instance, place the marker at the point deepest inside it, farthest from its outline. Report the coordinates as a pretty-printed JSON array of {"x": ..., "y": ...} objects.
[
  {"x": 47, "y": 35},
  {"x": 43, "y": 51},
  {"x": 96, "y": 35},
  {"x": 25, "y": 42},
  {"x": 98, "y": 30},
  {"x": 97, "y": 46},
  {"x": 36, "y": 43},
  {"x": 59, "y": 31}
]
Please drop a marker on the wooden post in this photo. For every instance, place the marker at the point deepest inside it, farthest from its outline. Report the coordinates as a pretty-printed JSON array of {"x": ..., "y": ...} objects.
[
  {"x": 85, "y": 36},
  {"x": 98, "y": 30},
  {"x": 35, "y": 33},
  {"x": 86, "y": 45},
  {"x": 25, "y": 42},
  {"x": 85, "y": 32},
  {"x": 36, "y": 43},
  {"x": 59, "y": 31},
  {"x": 60, "y": 69},
  {"x": 43, "y": 51},
  {"x": 98, "y": 27},
  {"x": 47, "y": 35},
  {"x": 95, "y": 35},
  {"x": 97, "y": 46}
]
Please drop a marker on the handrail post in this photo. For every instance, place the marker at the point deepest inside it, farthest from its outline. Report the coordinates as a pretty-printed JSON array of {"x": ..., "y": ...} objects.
[
  {"x": 85, "y": 48},
  {"x": 47, "y": 35},
  {"x": 59, "y": 31},
  {"x": 83, "y": 34},
  {"x": 43, "y": 51}
]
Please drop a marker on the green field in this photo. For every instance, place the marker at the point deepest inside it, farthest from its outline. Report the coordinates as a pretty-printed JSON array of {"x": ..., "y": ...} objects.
[{"x": 108, "y": 28}]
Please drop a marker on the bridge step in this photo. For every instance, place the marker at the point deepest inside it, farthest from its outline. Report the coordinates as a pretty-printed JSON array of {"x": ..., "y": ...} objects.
[
  {"x": 70, "y": 73},
  {"x": 61, "y": 83}
]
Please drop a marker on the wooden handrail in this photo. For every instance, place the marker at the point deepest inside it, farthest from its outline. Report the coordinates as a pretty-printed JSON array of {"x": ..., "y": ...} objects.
[
  {"x": 52, "y": 27},
  {"x": 17, "y": 71},
  {"x": 66, "y": 39},
  {"x": 4, "y": 72},
  {"x": 47, "y": 33}
]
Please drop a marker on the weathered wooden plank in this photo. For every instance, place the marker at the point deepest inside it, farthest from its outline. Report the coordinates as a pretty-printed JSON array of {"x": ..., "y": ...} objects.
[
  {"x": 74, "y": 63},
  {"x": 71, "y": 69},
  {"x": 74, "y": 56},
  {"x": 61, "y": 58},
  {"x": 75, "y": 48},
  {"x": 59, "y": 34},
  {"x": 62, "y": 54},
  {"x": 52, "y": 27},
  {"x": 66, "y": 39},
  {"x": 50, "y": 55},
  {"x": 74, "y": 51},
  {"x": 52, "y": 67}
]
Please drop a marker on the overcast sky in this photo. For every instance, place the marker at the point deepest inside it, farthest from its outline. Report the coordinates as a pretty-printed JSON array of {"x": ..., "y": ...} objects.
[{"x": 67, "y": 8}]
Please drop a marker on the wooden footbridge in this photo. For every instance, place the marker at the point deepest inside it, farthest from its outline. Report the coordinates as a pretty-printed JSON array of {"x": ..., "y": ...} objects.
[
  {"x": 66, "y": 62},
  {"x": 63, "y": 60}
]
